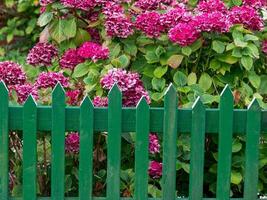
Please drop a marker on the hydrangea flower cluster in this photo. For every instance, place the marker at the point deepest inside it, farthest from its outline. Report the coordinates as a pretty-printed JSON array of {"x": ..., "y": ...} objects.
[
  {"x": 247, "y": 16},
  {"x": 129, "y": 83},
  {"x": 23, "y": 91},
  {"x": 155, "y": 169},
  {"x": 70, "y": 59},
  {"x": 255, "y": 3},
  {"x": 100, "y": 101},
  {"x": 174, "y": 16},
  {"x": 11, "y": 73},
  {"x": 154, "y": 146},
  {"x": 72, "y": 143},
  {"x": 150, "y": 24},
  {"x": 50, "y": 79},
  {"x": 73, "y": 97},
  {"x": 210, "y": 6},
  {"x": 264, "y": 47},
  {"x": 42, "y": 54},
  {"x": 79, "y": 4},
  {"x": 94, "y": 51},
  {"x": 184, "y": 34}
]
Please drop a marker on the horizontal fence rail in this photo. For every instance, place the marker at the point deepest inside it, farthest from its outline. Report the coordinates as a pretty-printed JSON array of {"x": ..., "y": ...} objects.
[{"x": 115, "y": 119}]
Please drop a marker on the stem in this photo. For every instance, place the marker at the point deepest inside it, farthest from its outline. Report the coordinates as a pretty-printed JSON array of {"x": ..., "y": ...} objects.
[{"x": 15, "y": 145}]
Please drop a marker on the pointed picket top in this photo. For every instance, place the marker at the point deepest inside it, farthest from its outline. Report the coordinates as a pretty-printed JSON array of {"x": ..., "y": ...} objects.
[
  {"x": 30, "y": 102},
  {"x": 115, "y": 92},
  {"x": 3, "y": 88},
  {"x": 254, "y": 105},
  {"x": 87, "y": 103},
  {"x": 198, "y": 105},
  {"x": 171, "y": 91},
  {"x": 142, "y": 104},
  {"x": 58, "y": 92},
  {"x": 227, "y": 93}
]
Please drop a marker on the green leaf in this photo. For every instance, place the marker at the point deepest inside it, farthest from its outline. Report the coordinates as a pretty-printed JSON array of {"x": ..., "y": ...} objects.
[
  {"x": 236, "y": 146},
  {"x": 263, "y": 85},
  {"x": 215, "y": 64},
  {"x": 151, "y": 57},
  {"x": 158, "y": 84},
  {"x": 115, "y": 51},
  {"x": 175, "y": 61},
  {"x": 180, "y": 79},
  {"x": 130, "y": 48},
  {"x": 160, "y": 50},
  {"x": 44, "y": 19},
  {"x": 249, "y": 37},
  {"x": 192, "y": 78},
  {"x": 122, "y": 61},
  {"x": 218, "y": 46},
  {"x": 186, "y": 51},
  {"x": 81, "y": 70},
  {"x": 70, "y": 28},
  {"x": 237, "y": 2},
  {"x": 247, "y": 62},
  {"x": 160, "y": 71},
  {"x": 236, "y": 177},
  {"x": 253, "y": 49},
  {"x": 228, "y": 58},
  {"x": 255, "y": 80},
  {"x": 205, "y": 81},
  {"x": 237, "y": 53},
  {"x": 239, "y": 39},
  {"x": 81, "y": 36}
]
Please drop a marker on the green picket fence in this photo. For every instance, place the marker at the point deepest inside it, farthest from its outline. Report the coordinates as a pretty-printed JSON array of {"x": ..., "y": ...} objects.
[{"x": 169, "y": 120}]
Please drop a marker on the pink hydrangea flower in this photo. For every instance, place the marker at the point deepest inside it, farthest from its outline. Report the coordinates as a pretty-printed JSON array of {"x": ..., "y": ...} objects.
[
  {"x": 209, "y": 6},
  {"x": 45, "y": 2},
  {"x": 94, "y": 51},
  {"x": 73, "y": 97},
  {"x": 119, "y": 26},
  {"x": 184, "y": 34},
  {"x": 264, "y": 47},
  {"x": 150, "y": 24},
  {"x": 100, "y": 101},
  {"x": 174, "y": 16},
  {"x": 148, "y": 4},
  {"x": 154, "y": 146},
  {"x": 213, "y": 22},
  {"x": 95, "y": 35},
  {"x": 72, "y": 143},
  {"x": 70, "y": 59},
  {"x": 11, "y": 73},
  {"x": 23, "y": 91},
  {"x": 42, "y": 54},
  {"x": 155, "y": 169},
  {"x": 50, "y": 79},
  {"x": 129, "y": 83},
  {"x": 255, "y": 3},
  {"x": 79, "y": 4},
  {"x": 111, "y": 8},
  {"x": 247, "y": 16}
]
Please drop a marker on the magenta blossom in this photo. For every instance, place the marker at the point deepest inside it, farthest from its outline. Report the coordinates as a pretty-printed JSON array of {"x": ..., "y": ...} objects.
[
  {"x": 255, "y": 3},
  {"x": 73, "y": 97},
  {"x": 154, "y": 146},
  {"x": 129, "y": 83},
  {"x": 150, "y": 24},
  {"x": 100, "y": 101},
  {"x": 264, "y": 47},
  {"x": 50, "y": 79},
  {"x": 155, "y": 169},
  {"x": 42, "y": 54},
  {"x": 247, "y": 16},
  {"x": 94, "y": 51},
  {"x": 79, "y": 4},
  {"x": 70, "y": 59},
  {"x": 23, "y": 91},
  {"x": 72, "y": 143},
  {"x": 11, "y": 73},
  {"x": 184, "y": 34},
  {"x": 209, "y": 6},
  {"x": 95, "y": 35}
]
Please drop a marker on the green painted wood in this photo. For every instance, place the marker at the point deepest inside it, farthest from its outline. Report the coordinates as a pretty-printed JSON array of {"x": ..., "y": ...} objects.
[
  {"x": 4, "y": 178},
  {"x": 170, "y": 144},
  {"x": 197, "y": 151},
  {"x": 114, "y": 143},
  {"x": 58, "y": 144},
  {"x": 141, "y": 150},
  {"x": 225, "y": 144},
  {"x": 86, "y": 150},
  {"x": 252, "y": 151},
  {"x": 29, "y": 149},
  {"x": 129, "y": 120}
]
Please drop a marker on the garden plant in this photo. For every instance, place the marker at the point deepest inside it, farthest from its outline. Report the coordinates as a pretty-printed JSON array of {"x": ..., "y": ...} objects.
[{"x": 143, "y": 46}]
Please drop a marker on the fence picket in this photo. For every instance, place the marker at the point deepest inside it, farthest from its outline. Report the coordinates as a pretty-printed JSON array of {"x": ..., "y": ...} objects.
[
  {"x": 197, "y": 151},
  {"x": 86, "y": 150},
  {"x": 29, "y": 149},
  {"x": 141, "y": 150},
  {"x": 252, "y": 150},
  {"x": 58, "y": 144},
  {"x": 114, "y": 143},
  {"x": 225, "y": 144},
  {"x": 4, "y": 143},
  {"x": 170, "y": 144}
]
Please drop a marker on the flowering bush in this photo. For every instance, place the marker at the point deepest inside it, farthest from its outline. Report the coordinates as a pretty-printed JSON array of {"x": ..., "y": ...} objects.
[{"x": 143, "y": 46}]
